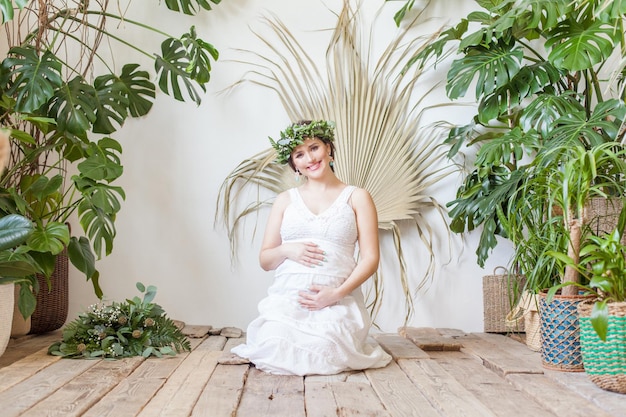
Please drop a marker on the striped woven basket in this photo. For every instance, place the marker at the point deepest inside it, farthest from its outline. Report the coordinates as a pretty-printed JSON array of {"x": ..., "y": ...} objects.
[
  {"x": 560, "y": 332},
  {"x": 605, "y": 361},
  {"x": 501, "y": 292}
]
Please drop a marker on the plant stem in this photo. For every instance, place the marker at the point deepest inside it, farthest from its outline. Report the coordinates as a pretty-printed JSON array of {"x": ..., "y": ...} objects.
[{"x": 573, "y": 251}]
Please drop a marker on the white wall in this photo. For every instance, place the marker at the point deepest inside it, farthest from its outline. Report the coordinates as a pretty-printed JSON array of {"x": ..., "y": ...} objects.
[{"x": 176, "y": 159}]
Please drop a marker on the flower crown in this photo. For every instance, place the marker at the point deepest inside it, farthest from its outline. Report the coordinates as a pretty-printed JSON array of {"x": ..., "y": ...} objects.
[{"x": 297, "y": 132}]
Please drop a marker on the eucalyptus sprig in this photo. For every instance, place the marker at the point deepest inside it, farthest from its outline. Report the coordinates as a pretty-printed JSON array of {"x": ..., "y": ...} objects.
[{"x": 136, "y": 327}]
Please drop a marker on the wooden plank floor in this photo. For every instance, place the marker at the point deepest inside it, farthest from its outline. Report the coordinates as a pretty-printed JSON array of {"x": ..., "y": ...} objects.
[{"x": 435, "y": 372}]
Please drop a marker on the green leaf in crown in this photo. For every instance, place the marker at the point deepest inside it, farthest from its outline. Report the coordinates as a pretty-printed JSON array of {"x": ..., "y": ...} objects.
[{"x": 297, "y": 133}]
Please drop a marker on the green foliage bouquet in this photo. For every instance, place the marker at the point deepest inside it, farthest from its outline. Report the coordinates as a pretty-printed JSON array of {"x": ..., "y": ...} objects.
[{"x": 133, "y": 328}]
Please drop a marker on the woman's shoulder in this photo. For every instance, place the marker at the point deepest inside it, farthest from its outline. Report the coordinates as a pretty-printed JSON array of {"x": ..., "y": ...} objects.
[
  {"x": 360, "y": 196},
  {"x": 359, "y": 192},
  {"x": 284, "y": 198}
]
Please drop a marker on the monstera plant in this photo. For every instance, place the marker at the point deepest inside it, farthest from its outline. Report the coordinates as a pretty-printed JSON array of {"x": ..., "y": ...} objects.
[
  {"x": 62, "y": 94},
  {"x": 543, "y": 74}
]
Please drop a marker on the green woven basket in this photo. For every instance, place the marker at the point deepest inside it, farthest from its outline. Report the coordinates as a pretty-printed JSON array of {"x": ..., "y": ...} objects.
[{"x": 605, "y": 362}]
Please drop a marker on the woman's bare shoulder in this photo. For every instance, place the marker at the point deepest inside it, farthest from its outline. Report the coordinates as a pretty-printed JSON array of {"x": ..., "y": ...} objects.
[
  {"x": 361, "y": 195},
  {"x": 282, "y": 199}
]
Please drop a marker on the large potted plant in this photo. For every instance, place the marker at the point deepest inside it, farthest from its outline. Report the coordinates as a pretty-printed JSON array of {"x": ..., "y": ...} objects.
[
  {"x": 603, "y": 319},
  {"x": 14, "y": 267},
  {"x": 535, "y": 69},
  {"x": 61, "y": 98},
  {"x": 549, "y": 225}
]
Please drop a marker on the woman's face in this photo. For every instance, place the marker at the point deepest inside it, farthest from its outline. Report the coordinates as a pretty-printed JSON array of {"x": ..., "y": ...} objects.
[{"x": 311, "y": 158}]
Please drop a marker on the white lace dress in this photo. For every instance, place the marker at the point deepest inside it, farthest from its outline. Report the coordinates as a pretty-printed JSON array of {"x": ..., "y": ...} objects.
[{"x": 288, "y": 339}]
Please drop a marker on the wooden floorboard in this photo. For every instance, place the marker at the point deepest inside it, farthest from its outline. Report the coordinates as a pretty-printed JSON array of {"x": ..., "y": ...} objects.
[{"x": 434, "y": 373}]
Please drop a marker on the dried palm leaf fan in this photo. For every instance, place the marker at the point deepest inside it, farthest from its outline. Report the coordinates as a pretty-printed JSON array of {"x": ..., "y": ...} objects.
[{"x": 380, "y": 144}]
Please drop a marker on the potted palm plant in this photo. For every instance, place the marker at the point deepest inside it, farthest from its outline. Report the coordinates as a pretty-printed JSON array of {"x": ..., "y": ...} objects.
[
  {"x": 61, "y": 108},
  {"x": 603, "y": 319},
  {"x": 550, "y": 228}
]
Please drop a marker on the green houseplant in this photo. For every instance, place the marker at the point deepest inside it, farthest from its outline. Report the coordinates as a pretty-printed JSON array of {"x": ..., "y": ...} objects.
[
  {"x": 62, "y": 98},
  {"x": 536, "y": 70},
  {"x": 14, "y": 230},
  {"x": 551, "y": 230},
  {"x": 603, "y": 319},
  {"x": 135, "y": 327}
]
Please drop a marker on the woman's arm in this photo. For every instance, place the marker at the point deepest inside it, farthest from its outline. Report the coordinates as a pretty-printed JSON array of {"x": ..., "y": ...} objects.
[{"x": 369, "y": 249}]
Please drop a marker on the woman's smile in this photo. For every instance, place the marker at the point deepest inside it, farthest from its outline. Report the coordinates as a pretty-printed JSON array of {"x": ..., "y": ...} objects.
[{"x": 314, "y": 167}]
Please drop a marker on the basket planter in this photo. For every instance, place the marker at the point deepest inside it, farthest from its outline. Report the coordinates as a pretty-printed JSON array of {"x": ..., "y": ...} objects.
[
  {"x": 605, "y": 361},
  {"x": 527, "y": 311},
  {"x": 560, "y": 332},
  {"x": 500, "y": 293},
  {"x": 7, "y": 299},
  {"x": 53, "y": 305}
]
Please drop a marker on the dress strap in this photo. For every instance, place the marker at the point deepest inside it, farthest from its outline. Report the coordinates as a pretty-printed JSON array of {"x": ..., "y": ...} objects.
[
  {"x": 346, "y": 193},
  {"x": 294, "y": 194}
]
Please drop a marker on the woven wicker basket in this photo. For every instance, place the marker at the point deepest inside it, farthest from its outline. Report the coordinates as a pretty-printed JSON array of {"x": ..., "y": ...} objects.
[
  {"x": 7, "y": 299},
  {"x": 560, "y": 332},
  {"x": 527, "y": 310},
  {"x": 532, "y": 324},
  {"x": 605, "y": 361},
  {"x": 53, "y": 305},
  {"x": 501, "y": 292},
  {"x": 603, "y": 214}
]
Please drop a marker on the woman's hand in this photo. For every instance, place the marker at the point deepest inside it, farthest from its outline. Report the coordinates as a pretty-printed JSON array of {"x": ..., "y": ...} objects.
[
  {"x": 305, "y": 253},
  {"x": 319, "y": 296}
]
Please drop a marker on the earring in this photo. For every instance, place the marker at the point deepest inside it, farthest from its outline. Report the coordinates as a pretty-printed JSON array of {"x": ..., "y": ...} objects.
[
  {"x": 332, "y": 161},
  {"x": 297, "y": 176}
]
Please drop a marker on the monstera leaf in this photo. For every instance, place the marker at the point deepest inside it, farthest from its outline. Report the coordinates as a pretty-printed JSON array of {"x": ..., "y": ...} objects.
[
  {"x": 545, "y": 109},
  {"x": 97, "y": 211},
  {"x": 102, "y": 161},
  {"x": 602, "y": 126},
  {"x": 529, "y": 81},
  {"x": 184, "y": 61},
  {"x": 53, "y": 238},
  {"x": 187, "y": 6},
  {"x": 112, "y": 103},
  {"x": 139, "y": 90},
  {"x": 490, "y": 66},
  {"x": 74, "y": 107},
  {"x": 36, "y": 77},
  {"x": 200, "y": 64},
  {"x": 580, "y": 44},
  {"x": 534, "y": 13}
]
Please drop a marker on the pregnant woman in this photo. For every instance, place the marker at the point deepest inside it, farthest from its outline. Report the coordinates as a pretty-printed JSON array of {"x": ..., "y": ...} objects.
[{"x": 322, "y": 240}]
